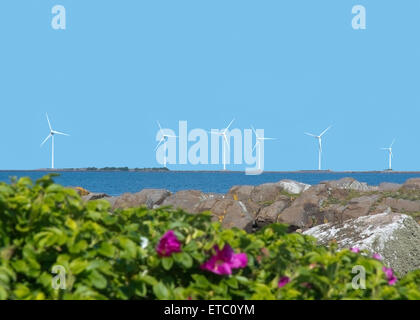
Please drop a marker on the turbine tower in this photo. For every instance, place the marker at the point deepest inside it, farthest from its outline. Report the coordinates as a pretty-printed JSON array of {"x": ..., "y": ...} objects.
[
  {"x": 222, "y": 133},
  {"x": 51, "y": 135},
  {"x": 258, "y": 142},
  {"x": 390, "y": 154},
  {"x": 163, "y": 141},
  {"x": 319, "y": 137}
]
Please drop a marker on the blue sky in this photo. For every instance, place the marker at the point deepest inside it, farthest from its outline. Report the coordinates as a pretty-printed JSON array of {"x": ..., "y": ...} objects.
[{"x": 284, "y": 66}]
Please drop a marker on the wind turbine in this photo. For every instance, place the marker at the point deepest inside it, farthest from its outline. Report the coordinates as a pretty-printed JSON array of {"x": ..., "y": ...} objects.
[
  {"x": 319, "y": 137},
  {"x": 222, "y": 133},
  {"x": 51, "y": 135},
  {"x": 390, "y": 153},
  {"x": 163, "y": 140},
  {"x": 258, "y": 142}
]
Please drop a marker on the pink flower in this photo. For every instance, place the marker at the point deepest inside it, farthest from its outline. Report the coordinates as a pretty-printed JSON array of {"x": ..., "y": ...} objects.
[
  {"x": 355, "y": 250},
  {"x": 377, "y": 256},
  {"x": 168, "y": 244},
  {"x": 225, "y": 260},
  {"x": 283, "y": 281},
  {"x": 392, "y": 279}
]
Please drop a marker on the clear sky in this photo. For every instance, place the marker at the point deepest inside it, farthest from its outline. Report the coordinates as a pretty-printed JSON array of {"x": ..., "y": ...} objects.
[{"x": 284, "y": 66}]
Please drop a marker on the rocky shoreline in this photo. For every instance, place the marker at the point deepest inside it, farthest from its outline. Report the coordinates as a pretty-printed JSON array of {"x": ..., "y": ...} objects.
[{"x": 383, "y": 219}]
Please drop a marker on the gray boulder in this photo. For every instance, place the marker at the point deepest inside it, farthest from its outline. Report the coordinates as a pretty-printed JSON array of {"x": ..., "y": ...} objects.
[
  {"x": 146, "y": 197},
  {"x": 305, "y": 211},
  {"x": 387, "y": 186},
  {"x": 266, "y": 193},
  {"x": 402, "y": 205},
  {"x": 187, "y": 200},
  {"x": 94, "y": 196},
  {"x": 396, "y": 237},
  {"x": 293, "y": 187},
  {"x": 233, "y": 214},
  {"x": 268, "y": 215},
  {"x": 360, "y": 206},
  {"x": 349, "y": 184},
  {"x": 412, "y": 184}
]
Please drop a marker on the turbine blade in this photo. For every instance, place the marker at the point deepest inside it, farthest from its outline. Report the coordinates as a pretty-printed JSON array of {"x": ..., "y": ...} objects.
[
  {"x": 268, "y": 138},
  {"x": 255, "y": 132},
  {"x": 63, "y": 134},
  {"x": 160, "y": 127},
  {"x": 227, "y": 128},
  {"x": 49, "y": 136},
  {"x": 323, "y": 132},
  {"x": 159, "y": 143},
  {"x": 392, "y": 143},
  {"x": 48, "y": 119},
  {"x": 255, "y": 146},
  {"x": 310, "y": 134}
]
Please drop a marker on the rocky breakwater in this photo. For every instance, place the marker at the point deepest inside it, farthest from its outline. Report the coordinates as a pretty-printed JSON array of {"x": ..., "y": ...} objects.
[{"x": 299, "y": 205}]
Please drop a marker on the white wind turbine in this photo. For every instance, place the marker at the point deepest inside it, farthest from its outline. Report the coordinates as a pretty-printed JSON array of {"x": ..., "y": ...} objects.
[
  {"x": 258, "y": 142},
  {"x": 51, "y": 135},
  {"x": 163, "y": 140},
  {"x": 319, "y": 137},
  {"x": 389, "y": 149},
  {"x": 222, "y": 133}
]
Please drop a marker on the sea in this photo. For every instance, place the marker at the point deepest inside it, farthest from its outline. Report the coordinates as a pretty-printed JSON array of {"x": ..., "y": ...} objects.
[{"x": 115, "y": 183}]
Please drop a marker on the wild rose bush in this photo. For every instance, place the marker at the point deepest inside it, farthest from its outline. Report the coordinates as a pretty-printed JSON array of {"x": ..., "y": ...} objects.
[{"x": 167, "y": 254}]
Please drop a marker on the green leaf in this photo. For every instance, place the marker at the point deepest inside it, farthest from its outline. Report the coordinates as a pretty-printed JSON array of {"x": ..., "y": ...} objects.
[
  {"x": 107, "y": 250},
  {"x": 161, "y": 291},
  {"x": 167, "y": 263},
  {"x": 77, "y": 266},
  {"x": 183, "y": 259},
  {"x": 98, "y": 280}
]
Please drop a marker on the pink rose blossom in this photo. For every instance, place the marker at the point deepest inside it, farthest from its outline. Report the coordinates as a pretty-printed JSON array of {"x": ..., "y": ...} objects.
[
  {"x": 283, "y": 281},
  {"x": 168, "y": 244},
  {"x": 392, "y": 279},
  {"x": 377, "y": 256},
  {"x": 224, "y": 261}
]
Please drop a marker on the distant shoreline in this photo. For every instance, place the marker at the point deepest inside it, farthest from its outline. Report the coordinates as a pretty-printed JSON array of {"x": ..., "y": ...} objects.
[{"x": 196, "y": 171}]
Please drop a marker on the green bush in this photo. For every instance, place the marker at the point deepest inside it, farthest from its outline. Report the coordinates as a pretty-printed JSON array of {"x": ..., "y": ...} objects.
[{"x": 112, "y": 255}]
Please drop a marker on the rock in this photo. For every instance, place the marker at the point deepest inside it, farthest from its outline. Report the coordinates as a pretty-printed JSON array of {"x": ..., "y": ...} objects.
[
  {"x": 232, "y": 213},
  {"x": 396, "y": 237},
  {"x": 94, "y": 196},
  {"x": 387, "y": 186},
  {"x": 187, "y": 200},
  {"x": 244, "y": 193},
  {"x": 305, "y": 211},
  {"x": 412, "y": 184},
  {"x": 146, "y": 197},
  {"x": 266, "y": 193},
  {"x": 381, "y": 208},
  {"x": 293, "y": 187},
  {"x": 402, "y": 205},
  {"x": 360, "y": 206},
  {"x": 268, "y": 215},
  {"x": 349, "y": 184}
]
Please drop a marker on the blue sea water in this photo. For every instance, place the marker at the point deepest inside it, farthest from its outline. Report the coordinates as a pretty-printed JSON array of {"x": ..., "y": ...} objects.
[{"x": 117, "y": 182}]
